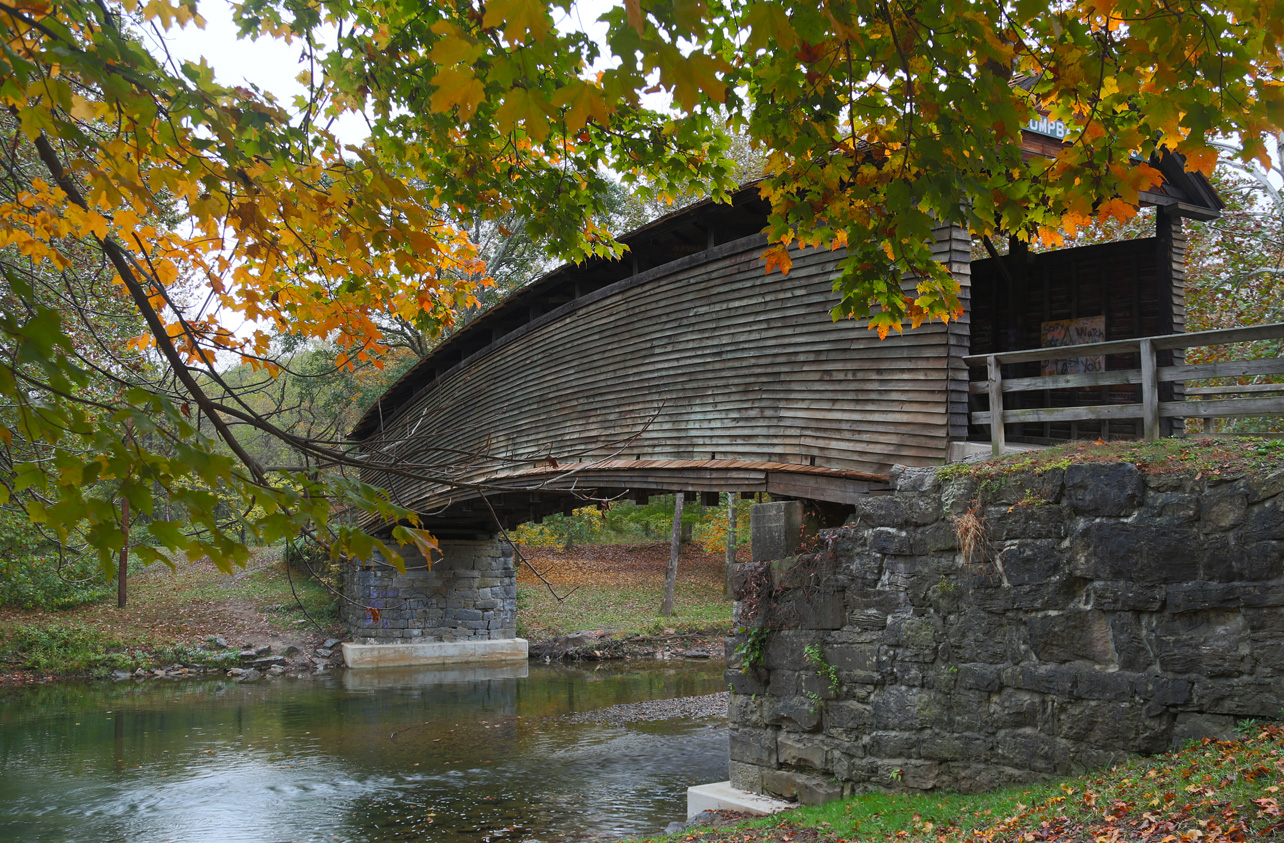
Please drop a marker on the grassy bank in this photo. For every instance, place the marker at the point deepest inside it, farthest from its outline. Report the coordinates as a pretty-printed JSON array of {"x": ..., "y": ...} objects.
[
  {"x": 1211, "y": 792},
  {"x": 618, "y": 589},
  {"x": 172, "y": 615},
  {"x": 170, "y": 618}
]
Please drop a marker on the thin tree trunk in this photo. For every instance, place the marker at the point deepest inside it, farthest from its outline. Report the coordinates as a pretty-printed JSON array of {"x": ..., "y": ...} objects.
[
  {"x": 122, "y": 569},
  {"x": 731, "y": 544},
  {"x": 671, "y": 573}
]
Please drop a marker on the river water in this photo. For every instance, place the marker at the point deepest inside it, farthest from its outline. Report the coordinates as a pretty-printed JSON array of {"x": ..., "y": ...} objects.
[{"x": 431, "y": 755}]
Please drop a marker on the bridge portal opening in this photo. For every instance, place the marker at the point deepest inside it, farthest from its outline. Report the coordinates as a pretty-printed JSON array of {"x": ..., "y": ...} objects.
[{"x": 1027, "y": 299}]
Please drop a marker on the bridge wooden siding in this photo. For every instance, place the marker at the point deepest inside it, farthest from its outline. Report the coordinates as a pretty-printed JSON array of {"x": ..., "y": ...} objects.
[{"x": 702, "y": 374}]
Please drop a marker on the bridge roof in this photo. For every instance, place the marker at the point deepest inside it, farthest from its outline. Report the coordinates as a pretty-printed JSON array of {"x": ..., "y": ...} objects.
[{"x": 687, "y": 231}]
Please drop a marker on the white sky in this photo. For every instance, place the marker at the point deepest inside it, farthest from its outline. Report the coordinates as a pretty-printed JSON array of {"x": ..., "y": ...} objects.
[{"x": 273, "y": 65}]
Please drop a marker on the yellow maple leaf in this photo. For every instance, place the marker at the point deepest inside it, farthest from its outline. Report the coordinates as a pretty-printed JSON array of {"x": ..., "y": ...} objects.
[
  {"x": 583, "y": 102},
  {"x": 522, "y": 107},
  {"x": 518, "y": 17},
  {"x": 457, "y": 88}
]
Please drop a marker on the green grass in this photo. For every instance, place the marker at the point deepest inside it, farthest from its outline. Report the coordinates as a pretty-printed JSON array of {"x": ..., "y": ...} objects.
[
  {"x": 70, "y": 648},
  {"x": 623, "y": 611},
  {"x": 1210, "y": 790},
  {"x": 266, "y": 586},
  {"x": 1212, "y": 456}
]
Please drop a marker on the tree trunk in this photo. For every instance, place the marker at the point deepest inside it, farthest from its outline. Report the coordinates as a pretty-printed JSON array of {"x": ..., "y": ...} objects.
[
  {"x": 122, "y": 569},
  {"x": 731, "y": 544},
  {"x": 671, "y": 573}
]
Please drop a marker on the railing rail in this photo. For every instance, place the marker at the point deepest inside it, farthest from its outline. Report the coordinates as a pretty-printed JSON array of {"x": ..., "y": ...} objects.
[{"x": 1202, "y": 402}]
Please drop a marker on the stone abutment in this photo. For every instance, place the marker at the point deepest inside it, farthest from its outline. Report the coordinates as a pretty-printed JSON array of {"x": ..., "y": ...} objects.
[
  {"x": 467, "y": 593},
  {"x": 963, "y": 635}
]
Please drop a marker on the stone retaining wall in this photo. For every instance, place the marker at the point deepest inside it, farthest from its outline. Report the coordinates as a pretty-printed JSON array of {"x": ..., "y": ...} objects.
[
  {"x": 1103, "y": 613},
  {"x": 469, "y": 592}
]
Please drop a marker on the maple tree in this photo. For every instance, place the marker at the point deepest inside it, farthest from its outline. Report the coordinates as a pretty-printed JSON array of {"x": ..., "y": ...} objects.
[{"x": 204, "y": 203}]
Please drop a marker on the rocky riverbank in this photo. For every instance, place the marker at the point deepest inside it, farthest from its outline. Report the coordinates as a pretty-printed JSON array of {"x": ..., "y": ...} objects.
[{"x": 249, "y": 663}]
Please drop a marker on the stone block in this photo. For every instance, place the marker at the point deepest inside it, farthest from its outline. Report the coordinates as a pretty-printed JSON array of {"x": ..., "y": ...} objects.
[
  {"x": 1030, "y": 561},
  {"x": 796, "y": 750},
  {"x": 1029, "y": 749},
  {"x": 1123, "y": 596},
  {"x": 746, "y": 777},
  {"x": 893, "y": 744},
  {"x": 796, "y": 714},
  {"x": 881, "y": 511},
  {"x": 978, "y": 637},
  {"x": 1178, "y": 507},
  {"x": 775, "y": 530},
  {"x": 1209, "y": 643},
  {"x": 941, "y": 746},
  {"x": 1258, "y": 698},
  {"x": 1194, "y": 725},
  {"x": 1137, "y": 552},
  {"x": 979, "y": 677},
  {"x": 1103, "y": 489},
  {"x": 896, "y": 708},
  {"x": 1046, "y": 679},
  {"x": 1224, "y": 507},
  {"x": 912, "y": 479},
  {"x": 1263, "y": 522},
  {"x": 814, "y": 611},
  {"x": 800, "y": 787},
  {"x": 936, "y": 538},
  {"x": 753, "y": 746},
  {"x": 1128, "y": 641},
  {"x": 1195, "y": 596},
  {"x": 1020, "y": 523},
  {"x": 848, "y": 716},
  {"x": 1071, "y": 636},
  {"x": 890, "y": 541}
]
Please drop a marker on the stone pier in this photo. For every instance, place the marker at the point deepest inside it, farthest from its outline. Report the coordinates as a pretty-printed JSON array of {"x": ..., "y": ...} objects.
[{"x": 461, "y": 607}]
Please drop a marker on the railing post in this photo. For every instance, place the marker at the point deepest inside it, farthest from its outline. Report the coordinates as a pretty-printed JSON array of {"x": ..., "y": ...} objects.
[
  {"x": 1149, "y": 390},
  {"x": 994, "y": 371}
]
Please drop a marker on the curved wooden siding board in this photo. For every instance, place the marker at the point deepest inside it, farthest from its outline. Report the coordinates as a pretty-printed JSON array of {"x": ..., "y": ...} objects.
[{"x": 748, "y": 366}]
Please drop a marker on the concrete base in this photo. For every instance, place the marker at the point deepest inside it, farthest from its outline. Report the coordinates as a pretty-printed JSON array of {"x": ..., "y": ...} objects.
[
  {"x": 420, "y": 677},
  {"x": 978, "y": 451},
  {"x": 721, "y": 796},
  {"x": 427, "y": 653}
]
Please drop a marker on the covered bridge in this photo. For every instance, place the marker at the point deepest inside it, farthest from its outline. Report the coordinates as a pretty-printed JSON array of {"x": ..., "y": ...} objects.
[{"x": 684, "y": 366}]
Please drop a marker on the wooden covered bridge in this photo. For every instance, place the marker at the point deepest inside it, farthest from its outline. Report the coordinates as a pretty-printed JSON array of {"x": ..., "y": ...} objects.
[{"x": 686, "y": 367}]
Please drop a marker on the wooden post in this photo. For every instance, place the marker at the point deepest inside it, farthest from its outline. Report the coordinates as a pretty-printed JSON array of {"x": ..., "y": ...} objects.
[
  {"x": 1149, "y": 390},
  {"x": 671, "y": 573},
  {"x": 996, "y": 404},
  {"x": 731, "y": 544}
]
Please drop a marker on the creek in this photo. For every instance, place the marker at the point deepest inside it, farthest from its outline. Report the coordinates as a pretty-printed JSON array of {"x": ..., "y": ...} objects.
[{"x": 446, "y": 755}]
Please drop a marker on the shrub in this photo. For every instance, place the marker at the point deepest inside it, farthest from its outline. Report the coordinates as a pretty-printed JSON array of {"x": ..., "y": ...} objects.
[{"x": 30, "y": 576}]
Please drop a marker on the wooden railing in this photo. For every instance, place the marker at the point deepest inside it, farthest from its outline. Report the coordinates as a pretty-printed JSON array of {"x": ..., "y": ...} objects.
[{"x": 1201, "y": 402}]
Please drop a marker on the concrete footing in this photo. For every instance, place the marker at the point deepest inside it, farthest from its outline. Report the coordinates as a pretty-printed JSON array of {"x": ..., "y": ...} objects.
[
  {"x": 428, "y": 653},
  {"x": 721, "y": 796}
]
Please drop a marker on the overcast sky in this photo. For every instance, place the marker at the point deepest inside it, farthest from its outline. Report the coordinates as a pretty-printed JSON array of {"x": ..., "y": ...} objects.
[{"x": 273, "y": 65}]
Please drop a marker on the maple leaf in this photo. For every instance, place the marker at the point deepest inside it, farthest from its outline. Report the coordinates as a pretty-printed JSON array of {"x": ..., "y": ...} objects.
[
  {"x": 777, "y": 257},
  {"x": 518, "y": 18},
  {"x": 457, "y": 88}
]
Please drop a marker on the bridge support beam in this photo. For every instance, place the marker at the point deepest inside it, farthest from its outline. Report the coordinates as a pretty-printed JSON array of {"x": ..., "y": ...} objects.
[
  {"x": 775, "y": 530},
  {"x": 460, "y": 608}
]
